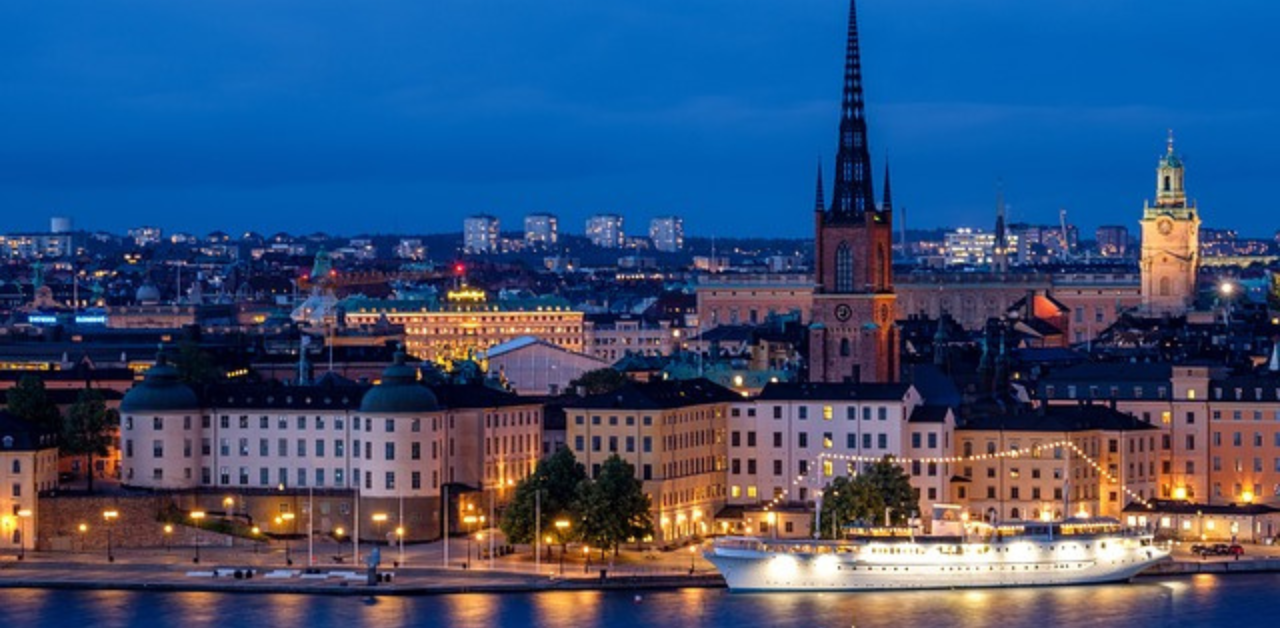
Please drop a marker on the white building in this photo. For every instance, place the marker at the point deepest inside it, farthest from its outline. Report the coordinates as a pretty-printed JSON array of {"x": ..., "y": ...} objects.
[
  {"x": 667, "y": 233},
  {"x": 28, "y": 465},
  {"x": 411, "y": 249},
  {"x": 605, "y": 231},
  {"x": 793, "y": 439},
  {"x": 480, "y": 234},
  {"x": 536, "y": 367},
  {"x": 145, "y": 236},
  {"x": 541, "y": 230}
]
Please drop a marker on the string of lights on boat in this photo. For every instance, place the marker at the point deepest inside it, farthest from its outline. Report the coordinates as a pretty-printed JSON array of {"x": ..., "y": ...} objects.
[{"x": 1033, "y": 452}]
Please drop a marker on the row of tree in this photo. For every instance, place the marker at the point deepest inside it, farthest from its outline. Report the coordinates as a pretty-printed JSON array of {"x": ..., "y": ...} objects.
[
  {"x": 603, "y": 513},
  {"x": 86, "y": 428}
]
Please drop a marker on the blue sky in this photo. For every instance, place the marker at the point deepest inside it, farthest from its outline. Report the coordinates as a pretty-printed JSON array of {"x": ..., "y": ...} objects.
[{"x": 398, "y": 115}]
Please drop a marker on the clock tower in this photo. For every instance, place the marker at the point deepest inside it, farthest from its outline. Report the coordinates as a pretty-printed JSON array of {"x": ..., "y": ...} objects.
[
  {"x": 853, "y": 336},
  {"x": 1170, "y": 242}
]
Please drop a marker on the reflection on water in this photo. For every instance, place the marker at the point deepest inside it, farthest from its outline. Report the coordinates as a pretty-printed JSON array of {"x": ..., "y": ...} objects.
[{"x": 1198, "y": 601}]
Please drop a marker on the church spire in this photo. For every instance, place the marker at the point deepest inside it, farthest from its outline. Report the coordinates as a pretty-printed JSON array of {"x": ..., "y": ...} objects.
[
  {"x": 1000, "y": 248},
  {"x": 852, "y": 194},
  {"x": 819, "y": 203},
  {"x": 887, "y": 205}
]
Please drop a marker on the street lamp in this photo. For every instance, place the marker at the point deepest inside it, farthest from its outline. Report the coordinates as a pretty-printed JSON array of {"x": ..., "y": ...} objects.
[
  {"x": 110, "y": 517},
  {"x": 379, "y": 518},
  {"x": 23, "y": 515},
  {"x": 197, "y": 516},
  {"x": 693, "y": 554},
  {"x": 84, "y": 530},
  {"x": 562, "y": 530},
  {"x": 255, "y": 531},
  {"x": 586, "y": 553},
  {"x": 470, "y": 520},
  {"x": 400, "y": 542},
  {"x": 288, "y": 553},
  {"x": 168, "y": 530}
]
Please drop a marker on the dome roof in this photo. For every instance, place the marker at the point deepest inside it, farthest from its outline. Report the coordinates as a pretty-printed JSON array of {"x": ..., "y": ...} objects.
[
  {"x": 399, "y": 392},
  {"x": 160, "y": 390},
  {"x": 147, "y": 294}
]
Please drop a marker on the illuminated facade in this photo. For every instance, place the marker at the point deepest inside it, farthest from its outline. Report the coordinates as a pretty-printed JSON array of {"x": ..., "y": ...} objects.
[
  {"x": 605, "y": 231},
  {"x": 28, "y": 465},
  {"x": 1170, "y": 241},
  {"x": 467, "y": 324},
  {"x": 480, "y": 234},
  {"x": 673, "y": 433}
]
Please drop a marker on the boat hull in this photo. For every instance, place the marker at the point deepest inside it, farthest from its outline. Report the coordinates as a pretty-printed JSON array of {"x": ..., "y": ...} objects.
[{"x": 933, "y": 567}]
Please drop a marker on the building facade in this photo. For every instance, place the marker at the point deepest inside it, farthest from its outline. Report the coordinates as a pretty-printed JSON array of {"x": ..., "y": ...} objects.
[
  {"x": 667, "y": 234},
  {"x": 605, "y": 231},
  {"x": 1170, "y": 241},
  {"x": 853, "y": 336},
  {"x": 480, "y": 234},
  {"x": 541, "y": 230}
]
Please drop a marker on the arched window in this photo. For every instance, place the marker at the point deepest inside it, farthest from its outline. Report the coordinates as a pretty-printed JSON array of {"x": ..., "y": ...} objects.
[
  {"x": 968, "y": 449},
  {"x": 1167, "y": 183},
  {"x": 17, "y": 466},
  {"x": 844, "y": 347},
  {"x": 844, "y": 268},
  {"x": 1015, "y": 514},
  {"x": 1164, "y": 286}
]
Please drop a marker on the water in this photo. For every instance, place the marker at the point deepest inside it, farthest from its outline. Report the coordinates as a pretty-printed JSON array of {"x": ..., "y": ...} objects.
[{"x": 1201, "y": 601}]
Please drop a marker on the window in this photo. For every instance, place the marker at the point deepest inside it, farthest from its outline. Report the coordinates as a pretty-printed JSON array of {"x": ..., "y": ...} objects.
[
  {"x": 803, "y": 412},
  {"x": 915, "y": 440},
  {"x": 882, "y": 441},
  {"x": 157, "y": 449},
  {"x": 803, "y": 439},
  {"x": 415, "y": 451},
  {"x": 390, "y": 451},
  {"x": 391, "y": 480},
  {"x": 751, "y": 439},
  {"x": 777, "y": 440},
  {"x": 157, "y": 423}
]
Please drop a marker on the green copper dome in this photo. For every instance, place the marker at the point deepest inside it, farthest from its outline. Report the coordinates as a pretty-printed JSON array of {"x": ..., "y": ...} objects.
[
  {"x": 160, "y": 390},
  {"x": 399, "y": 392}
]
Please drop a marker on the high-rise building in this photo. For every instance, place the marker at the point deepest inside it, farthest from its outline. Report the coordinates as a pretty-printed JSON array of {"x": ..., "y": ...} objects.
[
  {"x": 1170, "y": 241},
  {"x": 480, "y": 234},
  {"x": 1113, "y": 240},
  {"x": 541, "y": 230},
  {"x": 145, "y": 236},
  {"x": 667, "y": 233},
  {"x": 853, "y": 336},
  {"x": 605, "y": 231}
]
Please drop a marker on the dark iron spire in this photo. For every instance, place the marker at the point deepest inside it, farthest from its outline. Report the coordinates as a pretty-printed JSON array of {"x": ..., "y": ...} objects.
[
  {"x": 852, "y": 195},
  {"x": 887, "y": 204},
  {"x": 819, "y": 204}
]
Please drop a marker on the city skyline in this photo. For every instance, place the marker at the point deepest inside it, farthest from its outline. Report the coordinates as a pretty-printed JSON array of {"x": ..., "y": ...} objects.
[{"x": 279, "y": 121}]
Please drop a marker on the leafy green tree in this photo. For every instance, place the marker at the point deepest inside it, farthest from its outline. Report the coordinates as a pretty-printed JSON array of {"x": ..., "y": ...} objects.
[
  {"x": 599, "y": 381},
  {"x": 614, "y": 507},
  {"x": 865, "y": 497},
  {"x": 557, "y": 477},
  {"x": 87, "y": 428},
  {"x": 30, "y": 401},
  {"x": 195, "y": 366}
]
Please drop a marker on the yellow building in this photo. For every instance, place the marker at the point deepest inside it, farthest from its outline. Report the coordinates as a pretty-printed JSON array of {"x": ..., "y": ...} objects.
[
  {"x": 28, "y": 465},
  {"x": 673, "y": 433},
  {"x": 1170, "y": 242},
  {"x": 1085, "y": 460},
  {"x": 467, "y": 323}
]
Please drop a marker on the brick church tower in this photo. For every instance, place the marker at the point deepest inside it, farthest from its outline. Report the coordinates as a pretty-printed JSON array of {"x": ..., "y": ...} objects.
[{"x": 853, "y": 336}]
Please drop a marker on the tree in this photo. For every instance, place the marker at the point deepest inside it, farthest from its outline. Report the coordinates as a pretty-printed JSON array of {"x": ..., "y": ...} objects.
[
  {"x": 614, "y": 507},
  {"x": 865, "y": 497},
  {"x": 599, "y": 381},
  {"x": 558, "y": 478},
  {"x": 87, "y": 428},
  {"x": 30, "y": 401},
  {"x": 195, "y": 366}
]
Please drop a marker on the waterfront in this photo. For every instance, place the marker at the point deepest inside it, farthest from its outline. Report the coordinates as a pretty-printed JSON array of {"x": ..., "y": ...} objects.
[{"x": 1202, "y": 600}]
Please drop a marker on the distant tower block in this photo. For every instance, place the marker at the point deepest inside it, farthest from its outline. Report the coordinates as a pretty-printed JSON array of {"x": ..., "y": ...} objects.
[
  {"x": 853, "y": 336},
  {"x": 1170, "y": 242},
  {"x": 60, "y": 224}
]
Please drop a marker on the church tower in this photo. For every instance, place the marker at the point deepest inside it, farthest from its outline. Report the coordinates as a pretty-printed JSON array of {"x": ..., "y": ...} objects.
[
  {"x": 1170, "y": 242},
  {"x": 853, "y": 336}
]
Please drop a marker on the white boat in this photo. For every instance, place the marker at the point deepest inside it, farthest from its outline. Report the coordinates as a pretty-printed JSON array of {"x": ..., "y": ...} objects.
[{"x": 1075, "y": 551}]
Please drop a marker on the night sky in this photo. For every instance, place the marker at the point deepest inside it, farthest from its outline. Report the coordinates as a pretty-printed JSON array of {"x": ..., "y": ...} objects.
[{"x": 407, "y": 115}]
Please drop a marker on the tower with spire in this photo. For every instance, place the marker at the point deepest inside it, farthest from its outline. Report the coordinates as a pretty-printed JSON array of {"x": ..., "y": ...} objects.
[
  {"x": 1170, "y": 241},
  {"x": 853, "y": 336},
  {"x": 1000, "y": 248}
]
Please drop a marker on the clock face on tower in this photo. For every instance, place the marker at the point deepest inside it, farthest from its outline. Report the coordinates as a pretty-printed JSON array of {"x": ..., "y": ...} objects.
[
  {"x": 843, "y": 312},
  {"x": 1164, "y": 226}
]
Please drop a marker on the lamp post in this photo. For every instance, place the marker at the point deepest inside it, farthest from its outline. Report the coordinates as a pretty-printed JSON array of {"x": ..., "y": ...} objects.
[
  {"x": 197, "y": 516},
  {"x": 693, "y": 555},
  {"x": 379, "y": 518},
  {"x": 110, "y": 517},
  {"x": 479, "y": 544},
  {"x": 168, "y": 530},
  {"x": 400, "y": 544},
  {"x": 288, "y": 550},
  {"x": 255, "y": 531},
  {"x": 586, "y": 553},
  {"x": 84, "y": 530},
  {"x": 470, "y": 521},
  {"x": 23, "y": 515},
  {"x": 562, "y": 530}
]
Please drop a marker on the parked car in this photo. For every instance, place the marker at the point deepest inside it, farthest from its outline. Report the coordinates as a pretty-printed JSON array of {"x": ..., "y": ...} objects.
[{"x": 1235, "y": 549}]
